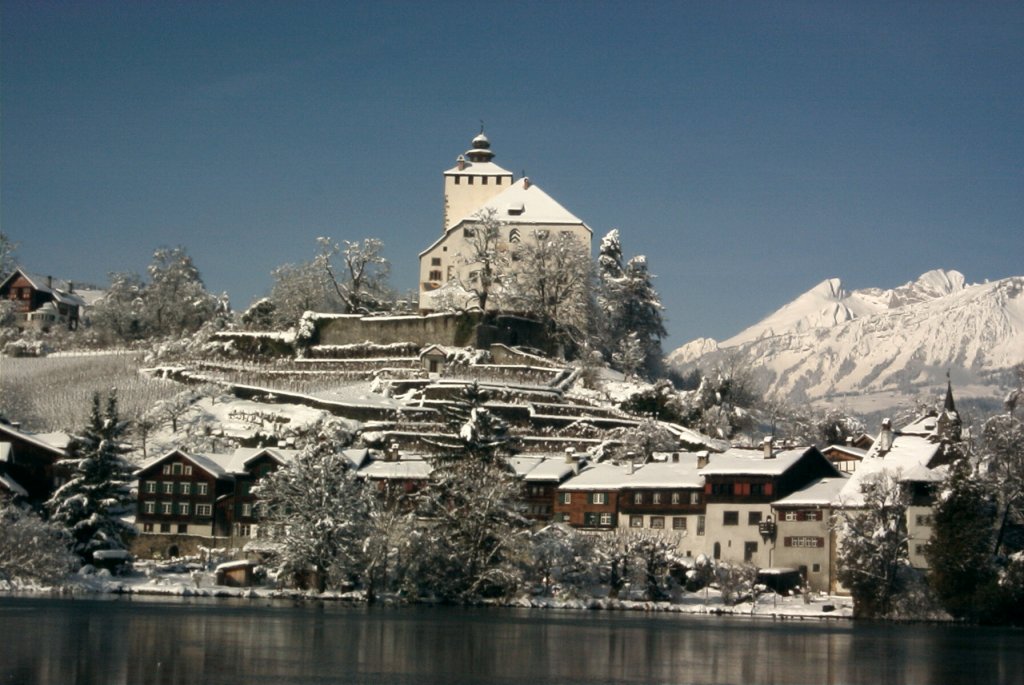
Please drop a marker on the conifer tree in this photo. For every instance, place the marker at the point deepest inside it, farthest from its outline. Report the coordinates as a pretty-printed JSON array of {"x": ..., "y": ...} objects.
[
  {"x": 96, "y": 496},
  {"x": 960, "y": 551},
  {"x": 472, "y": 545}
]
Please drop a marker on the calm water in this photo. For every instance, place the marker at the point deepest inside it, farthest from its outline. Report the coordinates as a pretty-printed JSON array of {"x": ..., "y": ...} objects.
[{"x": 132, "y": 641}]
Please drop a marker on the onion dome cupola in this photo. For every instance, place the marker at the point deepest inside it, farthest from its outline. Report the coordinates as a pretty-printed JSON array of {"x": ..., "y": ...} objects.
[{"x": 480, "y": 150}]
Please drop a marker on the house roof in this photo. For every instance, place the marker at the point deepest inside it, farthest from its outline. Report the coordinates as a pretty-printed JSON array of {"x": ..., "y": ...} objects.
[
  {"x": 52, "y": 442},
  {"x": 846, "y": 449},
  {"x": 403, "y": 469},
  {"x": 218, "y": 465},
  {"x": 660, "y": 474},
  {"x": 12, "y": 486},
  {"x": 59, "y": 289},
  {"x": 911, "y": 457},
  {"x": 735, "y": 462},
  {"x": 821, "y": 492},
  {"x": 597, "y": 477},
  {"x": 552, "y": 469},
  {"x": 522, "y": 203}
]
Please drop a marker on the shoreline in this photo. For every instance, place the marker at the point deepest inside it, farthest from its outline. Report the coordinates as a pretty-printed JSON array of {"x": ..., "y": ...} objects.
[{"x": 793, "y": 608}]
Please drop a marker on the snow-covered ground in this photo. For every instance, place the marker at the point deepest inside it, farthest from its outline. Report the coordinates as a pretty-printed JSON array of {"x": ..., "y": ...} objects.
[{"x": 200, "y": 583}]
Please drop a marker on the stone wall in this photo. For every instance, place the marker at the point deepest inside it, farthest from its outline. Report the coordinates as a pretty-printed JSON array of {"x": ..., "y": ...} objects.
[{"x": 454, "y": 330}]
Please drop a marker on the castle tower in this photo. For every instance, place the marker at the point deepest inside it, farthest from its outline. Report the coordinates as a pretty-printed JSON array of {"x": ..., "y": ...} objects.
[{"x": 473, "y": 181}]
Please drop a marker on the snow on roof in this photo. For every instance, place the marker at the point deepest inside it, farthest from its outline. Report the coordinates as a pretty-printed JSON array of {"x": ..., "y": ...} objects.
[
  {"x": 523, "y": 465},
  {"x": 846, "y": 449},
  {"x": 12, "y": 486},
  {"x": 104, "y": 554},
  {"x": 217, "y": 464},
  {"x": 818, "y": 493},
  {"x": 478, "y": 169},
  {"x": 60, "y": 289},
  {"x": 910, "y": 457},
  {"x": 403, "y": 469},
  {"x": 53, "y": 442},
  {"x": 660, "y": 474},
  {"x": 232, "y": 565},
  {"x": 537, "y": 207},
  {"x": 923, "y": 425},
  {"x": 241, "y": 457},
  {"x": 597, "y": 477},
  {"x": 551, "y": 469},
  {"x": 752, "y": 462}
]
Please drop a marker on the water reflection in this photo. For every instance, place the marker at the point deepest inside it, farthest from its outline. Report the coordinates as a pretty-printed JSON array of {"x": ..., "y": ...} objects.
[{"x": 227, "y": 641}]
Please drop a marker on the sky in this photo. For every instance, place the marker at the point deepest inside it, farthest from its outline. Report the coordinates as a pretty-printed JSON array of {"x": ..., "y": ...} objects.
[{"x": 750, "y": 150}]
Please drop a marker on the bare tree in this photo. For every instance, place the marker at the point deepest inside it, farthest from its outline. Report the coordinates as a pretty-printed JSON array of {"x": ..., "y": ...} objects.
[
  {"x": 361, "y": 279},
  {"x": 554, "y": 278},
  {"x": 487, "y": 256}
]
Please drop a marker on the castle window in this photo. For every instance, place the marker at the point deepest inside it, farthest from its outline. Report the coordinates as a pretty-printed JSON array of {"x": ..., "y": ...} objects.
[
  {"x": 470, "y": 180},
  {"x": 497, "y": 180},
  {"x": 469, "y": 233},
  {"x": 435, "y": 261},
  {"x": 435, "y": 275},
  {"x": 483, "y": 180},
  {"x": 458, "y": 180}
]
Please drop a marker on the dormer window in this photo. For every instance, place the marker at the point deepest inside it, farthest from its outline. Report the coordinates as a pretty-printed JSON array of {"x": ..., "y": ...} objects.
[{"x": 516, "y": 209}]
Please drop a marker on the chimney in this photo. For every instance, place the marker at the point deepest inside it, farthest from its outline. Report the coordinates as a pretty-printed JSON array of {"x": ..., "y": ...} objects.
[
  {"x": 767, "y": 445},
  {"x": 570, "y": 455},
  {"x": 885, "y": 437},
  {"x": 392, "y": 452},
  {"x": 71, "y": 286},
  {"x": 849, "y": 441},
  {"x": 461, "y": 163},
  {"x": 630, "y": 456},
  {"x": 703, "y": 458},
  {"x": 49, "y": 281},
  {"x": 526, "y": 182}
]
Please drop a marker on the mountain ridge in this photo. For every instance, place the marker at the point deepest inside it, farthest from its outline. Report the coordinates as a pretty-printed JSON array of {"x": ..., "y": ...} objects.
[{"x": 830, "y": 341}]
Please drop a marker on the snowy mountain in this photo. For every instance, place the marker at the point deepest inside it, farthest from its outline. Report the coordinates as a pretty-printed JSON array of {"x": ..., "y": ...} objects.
[{"x": 831, "y": 342}]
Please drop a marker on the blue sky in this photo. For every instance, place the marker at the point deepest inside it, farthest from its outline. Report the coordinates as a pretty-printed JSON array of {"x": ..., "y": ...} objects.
[{"x": 751, "y": 150}]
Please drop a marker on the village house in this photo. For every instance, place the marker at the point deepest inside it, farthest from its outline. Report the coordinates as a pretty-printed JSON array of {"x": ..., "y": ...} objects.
[
  {"x": 590, "y": 499},
  {"x": 42, "y": 302},
  {"x": 804, "y": 537},
  {"x": 740, "y": 486},
  {"x": 666, "y": 498},
  {"x": 541, "y": 475},
  {"x": 28, "y": 464}
]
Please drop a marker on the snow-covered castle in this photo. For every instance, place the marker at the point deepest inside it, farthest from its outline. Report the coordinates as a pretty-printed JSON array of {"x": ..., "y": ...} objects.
[{"x": 477, "y": 187}]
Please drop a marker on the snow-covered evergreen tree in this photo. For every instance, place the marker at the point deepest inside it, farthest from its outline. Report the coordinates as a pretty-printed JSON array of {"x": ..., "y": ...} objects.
[
  {"x": 96, "y": 496},
  {"x": 316, "y": 512},
  {"x": 873, "y": 555},
  {"x": 472, "y": 545},
  {"x": 629, "y": 305},
  {"x": 961, "y": 566},
  {"x": 32, "y": 550}
]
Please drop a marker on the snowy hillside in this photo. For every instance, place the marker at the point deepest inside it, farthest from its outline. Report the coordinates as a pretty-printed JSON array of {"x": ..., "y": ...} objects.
[{"x": 829, "y": 341}]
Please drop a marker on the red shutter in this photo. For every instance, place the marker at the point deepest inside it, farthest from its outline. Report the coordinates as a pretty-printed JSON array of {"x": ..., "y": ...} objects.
[
  {"x": 707, "y": 488},
  {"x": 767, "y": 488}
]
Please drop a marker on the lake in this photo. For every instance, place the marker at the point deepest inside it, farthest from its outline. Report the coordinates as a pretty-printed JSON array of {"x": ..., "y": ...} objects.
[{"x": 137, "y": 641}]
